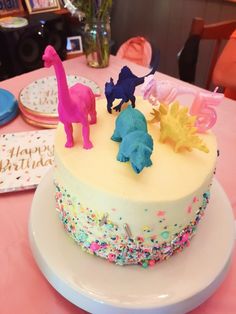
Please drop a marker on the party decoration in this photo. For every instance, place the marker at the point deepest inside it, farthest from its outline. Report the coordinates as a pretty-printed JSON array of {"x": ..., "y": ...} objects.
[
  {"x": 75, "y": 104},
  {"x": 124, "y": 88},
  {"x": 177, "y": 126},
  {"x": 136, "y": 144},
  {"x": 25, "y": 157},
  {"x": 203, "y": 107},
  {"x": 162, "y": 91},
  {"x": 165, "y": 92}
]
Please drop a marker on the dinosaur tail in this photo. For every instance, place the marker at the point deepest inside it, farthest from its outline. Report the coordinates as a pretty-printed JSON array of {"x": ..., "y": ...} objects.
[{"x": 155, "y": 65}]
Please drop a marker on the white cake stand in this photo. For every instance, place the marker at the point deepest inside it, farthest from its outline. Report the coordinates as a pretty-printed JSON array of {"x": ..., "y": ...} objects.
[{"x": 175, "y": 286}]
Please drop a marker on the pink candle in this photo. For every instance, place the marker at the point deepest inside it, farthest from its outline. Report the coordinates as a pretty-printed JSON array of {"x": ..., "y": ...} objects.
[{"x": 203, "y": 107}]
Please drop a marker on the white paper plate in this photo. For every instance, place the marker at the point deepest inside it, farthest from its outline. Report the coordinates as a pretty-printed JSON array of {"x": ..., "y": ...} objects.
[{"x": 40, "y": 97}]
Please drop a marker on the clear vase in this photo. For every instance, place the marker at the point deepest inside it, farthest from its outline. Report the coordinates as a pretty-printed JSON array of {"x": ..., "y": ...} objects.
[{"x": 97, "y": 35}]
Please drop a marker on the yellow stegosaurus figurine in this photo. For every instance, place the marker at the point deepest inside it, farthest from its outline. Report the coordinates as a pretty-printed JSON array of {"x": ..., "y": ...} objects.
[{"x": 177, "y": 126}]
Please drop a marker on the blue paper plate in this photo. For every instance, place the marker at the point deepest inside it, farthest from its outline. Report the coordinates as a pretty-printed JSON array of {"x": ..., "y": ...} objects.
[{"x": 8, "y": 106}]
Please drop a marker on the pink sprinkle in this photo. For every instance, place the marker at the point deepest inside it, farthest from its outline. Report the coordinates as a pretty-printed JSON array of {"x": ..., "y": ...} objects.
[
  {"x": 185, "y": 239},
  {"x": 113, "y": 209},
  {"x": 160, "y": 213},
  {"x": 195, "y": 199},
  {"x": 190, "y": 209},
  {"x": 111, "y": 257},
  {"x": 140, "y": 239},
  {"x": 167, "y": 249},
  {"x": 152, "y": 262},
  {"x": 94, "y": 246}
]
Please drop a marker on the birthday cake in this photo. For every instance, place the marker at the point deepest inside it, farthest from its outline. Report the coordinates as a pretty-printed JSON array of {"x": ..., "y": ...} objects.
[
  {"x": 124, "y": 216},
  {"x": 131, "y": 186}
]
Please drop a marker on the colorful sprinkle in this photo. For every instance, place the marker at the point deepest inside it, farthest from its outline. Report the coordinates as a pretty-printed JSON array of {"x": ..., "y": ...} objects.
[
  {"x": 165, "y": 235},
  {"x": 94, "y": 246},
  {"x": 115, "y": 245},
  {"x": 146, "y": 229},
  {"x": 195, "y": 199},
  {"x": 152, "y": 262},
  {"x": 127, "y": 230},
  {"x": 160, "y": 213},
  {"x": 145, "y": 264},
  {"x": 189, "y": 210}
]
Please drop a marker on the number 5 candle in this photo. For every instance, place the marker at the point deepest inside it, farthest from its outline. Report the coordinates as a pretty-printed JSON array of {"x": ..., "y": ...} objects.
[{"x": 203, "y": 107}]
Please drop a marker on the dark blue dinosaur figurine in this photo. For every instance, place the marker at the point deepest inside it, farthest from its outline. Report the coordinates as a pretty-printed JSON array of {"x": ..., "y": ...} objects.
[{"x": 124, "y": 88}]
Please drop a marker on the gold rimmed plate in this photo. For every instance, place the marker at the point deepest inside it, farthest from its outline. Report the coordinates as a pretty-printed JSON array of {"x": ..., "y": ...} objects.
[
  {"x": 40, "y": 97},
  {"x": 39, "y": 124}
]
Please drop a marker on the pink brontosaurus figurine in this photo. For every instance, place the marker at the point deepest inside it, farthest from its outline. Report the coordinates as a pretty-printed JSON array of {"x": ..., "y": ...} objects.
[
  {"x": 75, "y": 104},
  {"x": 162, "y": 91}
]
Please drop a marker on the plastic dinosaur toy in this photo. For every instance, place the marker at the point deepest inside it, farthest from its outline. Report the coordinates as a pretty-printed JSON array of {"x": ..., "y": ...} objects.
[
  {"x": 136, "y": 144},
  {"x": 75, "y": 104},
  {"x": 163, "y": 91},
  {"x": 124, "y": 88}
]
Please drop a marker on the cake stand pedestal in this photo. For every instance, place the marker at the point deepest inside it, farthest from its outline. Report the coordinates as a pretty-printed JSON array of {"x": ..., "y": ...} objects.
[{"x": 175, "y": 286}]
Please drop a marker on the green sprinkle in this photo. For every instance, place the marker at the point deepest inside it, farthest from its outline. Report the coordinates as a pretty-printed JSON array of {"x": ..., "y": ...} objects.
[{"x": 165, "y": 234}]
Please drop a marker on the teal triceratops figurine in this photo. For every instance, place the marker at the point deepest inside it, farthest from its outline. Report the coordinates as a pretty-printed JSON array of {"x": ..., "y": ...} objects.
[{"x": 136, "y": 144}]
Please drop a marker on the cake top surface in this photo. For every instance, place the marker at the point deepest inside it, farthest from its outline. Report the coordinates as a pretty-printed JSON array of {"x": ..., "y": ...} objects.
[{"x": 170, "y": 176}]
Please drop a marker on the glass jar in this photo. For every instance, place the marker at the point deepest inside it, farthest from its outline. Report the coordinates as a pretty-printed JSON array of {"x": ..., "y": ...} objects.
[{"x": 97, "y": 35}]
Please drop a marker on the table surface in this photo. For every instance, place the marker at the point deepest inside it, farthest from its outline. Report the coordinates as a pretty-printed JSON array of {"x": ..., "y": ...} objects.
[{"x": 23, "y": 288}]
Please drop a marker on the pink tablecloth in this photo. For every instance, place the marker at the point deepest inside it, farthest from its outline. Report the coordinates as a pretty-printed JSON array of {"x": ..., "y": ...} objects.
[{"x": 23, "y": 289}]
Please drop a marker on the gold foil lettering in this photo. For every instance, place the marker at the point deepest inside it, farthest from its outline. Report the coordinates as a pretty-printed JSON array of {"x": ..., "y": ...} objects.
[{"x": 27, "y": 158}]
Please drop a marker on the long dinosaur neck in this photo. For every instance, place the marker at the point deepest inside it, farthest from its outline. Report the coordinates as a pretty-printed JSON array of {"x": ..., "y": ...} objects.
[{"x": 63, "y": 91}]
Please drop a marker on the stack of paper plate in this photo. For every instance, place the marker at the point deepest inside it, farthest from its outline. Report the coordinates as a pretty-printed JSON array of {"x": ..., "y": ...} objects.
[
  {"x": 8, "y": 106},
  {"x": 13, "y": 22},
  {"x": 38, "y": 101}
]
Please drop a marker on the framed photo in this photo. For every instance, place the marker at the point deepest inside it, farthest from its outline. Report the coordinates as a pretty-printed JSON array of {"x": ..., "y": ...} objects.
[
  {"x": 10, "y": 6},
  {"x": 39, "y": 6},
  {"x": 74, "y": 45}
]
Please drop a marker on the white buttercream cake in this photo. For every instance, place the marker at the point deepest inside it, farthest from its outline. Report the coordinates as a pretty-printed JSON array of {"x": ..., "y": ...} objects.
[{"x": 122, "y": 216}]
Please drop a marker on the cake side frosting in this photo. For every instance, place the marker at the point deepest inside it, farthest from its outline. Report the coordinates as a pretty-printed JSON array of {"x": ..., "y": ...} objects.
[{"x": 128, "y": 218}]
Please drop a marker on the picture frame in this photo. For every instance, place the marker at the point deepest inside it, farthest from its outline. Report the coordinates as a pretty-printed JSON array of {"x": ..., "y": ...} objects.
[
  {"x": 74, "y": 45},
  {"x": 9, "y": 7},
  {"x": 39, "y": 6}
]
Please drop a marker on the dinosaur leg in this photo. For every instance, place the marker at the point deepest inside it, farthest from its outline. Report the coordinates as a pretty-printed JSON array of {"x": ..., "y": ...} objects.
[
  {"x": 69, "y": 134},
  {"x": 118, "y": 107},
  {"x": 93, "y": 117},
  {"x": 121, "y": 157},
  {"x": 109, "y": 105},
  {"x": 116, "y": 136},
  {"x": 85, "y": 133},
  {"x": 133, "y": 99},
  {"x": 93, "y": 113}
]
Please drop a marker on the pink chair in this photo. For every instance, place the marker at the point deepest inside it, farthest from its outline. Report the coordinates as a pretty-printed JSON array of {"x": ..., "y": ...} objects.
[{"x": 137, "y": 50}]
